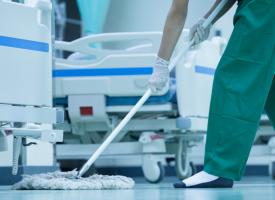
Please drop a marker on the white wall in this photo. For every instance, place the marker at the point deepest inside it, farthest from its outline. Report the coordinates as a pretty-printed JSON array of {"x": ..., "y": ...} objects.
[{"x": 149, "y": 15}]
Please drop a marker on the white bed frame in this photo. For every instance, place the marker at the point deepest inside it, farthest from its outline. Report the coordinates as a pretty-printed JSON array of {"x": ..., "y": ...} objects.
[{"x": 26, "y": 76}]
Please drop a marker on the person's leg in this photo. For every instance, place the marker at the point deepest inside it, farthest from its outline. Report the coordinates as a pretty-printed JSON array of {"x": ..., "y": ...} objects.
[
  {"x": 85, "y": 14},
  {"x": 270, "y": 104},
  {"x": 241, "y": 85},
  {"x": 232, "y": 129},
  {"x": 101, "y": 15},
  {"x": 93, "y": 14}
]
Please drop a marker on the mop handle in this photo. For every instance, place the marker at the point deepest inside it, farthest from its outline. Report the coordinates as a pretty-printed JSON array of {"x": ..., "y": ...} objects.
[{"x": 143, "y": 99}]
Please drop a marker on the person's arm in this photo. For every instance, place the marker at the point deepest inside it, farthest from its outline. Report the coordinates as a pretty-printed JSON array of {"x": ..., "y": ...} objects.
[
  {"x": 173, "y": 27},
  {"x": 198, "y": 33},
  {"x": 226, "y": 8},
  {"x": 171, "y": 33}
]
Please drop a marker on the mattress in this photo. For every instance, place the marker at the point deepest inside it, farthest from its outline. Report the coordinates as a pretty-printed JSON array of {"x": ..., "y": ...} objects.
[{"x": 169, "y": 97}]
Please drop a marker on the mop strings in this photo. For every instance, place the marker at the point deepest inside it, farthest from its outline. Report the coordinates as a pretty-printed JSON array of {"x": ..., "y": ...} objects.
[{"x": 70, "y": 181}]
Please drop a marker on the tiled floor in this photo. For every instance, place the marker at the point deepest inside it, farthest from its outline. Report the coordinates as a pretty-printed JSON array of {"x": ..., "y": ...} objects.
[{"x": 251, "y": 188}]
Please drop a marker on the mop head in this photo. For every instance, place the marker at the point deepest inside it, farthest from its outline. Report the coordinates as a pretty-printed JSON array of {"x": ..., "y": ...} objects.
[{"x": 69, "y": 181}]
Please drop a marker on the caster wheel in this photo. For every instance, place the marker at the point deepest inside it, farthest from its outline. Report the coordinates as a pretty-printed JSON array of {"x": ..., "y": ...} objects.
[
  {"x": 184, "y": 168},
  {"x": 191, "y": 171},
  {"x": 153, "y": 170},
  {"x": 193, "y": 168}
]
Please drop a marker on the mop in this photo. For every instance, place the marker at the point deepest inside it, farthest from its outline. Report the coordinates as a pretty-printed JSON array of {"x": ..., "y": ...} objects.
[{"x": 73, "y": 180}]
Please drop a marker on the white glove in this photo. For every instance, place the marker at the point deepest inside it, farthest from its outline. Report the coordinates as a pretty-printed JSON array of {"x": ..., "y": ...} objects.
[
  {"x": 160, "y": 75},
  {"x": 198, "y": 33}
]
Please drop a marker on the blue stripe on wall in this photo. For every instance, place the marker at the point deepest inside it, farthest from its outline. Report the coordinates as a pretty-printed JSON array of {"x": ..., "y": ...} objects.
[
  {"x": 24, "y": 44},
  {"x": 204, "y": 70},
  {"x": 103, "y": 72}
]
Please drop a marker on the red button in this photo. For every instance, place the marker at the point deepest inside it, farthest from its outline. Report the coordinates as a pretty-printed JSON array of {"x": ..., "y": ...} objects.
[{"x": 86, "y": 111}]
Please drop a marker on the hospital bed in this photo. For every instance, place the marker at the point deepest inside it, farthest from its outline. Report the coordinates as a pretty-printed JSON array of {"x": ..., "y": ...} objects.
[
  {"x": 97, "y": 87},
  {"x": 26, "y": 111}
]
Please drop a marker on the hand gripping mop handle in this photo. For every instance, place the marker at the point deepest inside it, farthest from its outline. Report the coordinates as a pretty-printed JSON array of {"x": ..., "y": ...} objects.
[{"x": 144, "y": 98}]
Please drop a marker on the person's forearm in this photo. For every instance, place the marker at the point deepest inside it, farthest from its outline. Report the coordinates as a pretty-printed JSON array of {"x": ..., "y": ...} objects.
[
  {"x": 172, "y": 30},
  {"x": 227, "y": 7}
]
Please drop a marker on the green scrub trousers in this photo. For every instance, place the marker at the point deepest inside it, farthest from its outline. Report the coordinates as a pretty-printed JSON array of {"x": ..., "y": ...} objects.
[{"x": 244, "y": 86}]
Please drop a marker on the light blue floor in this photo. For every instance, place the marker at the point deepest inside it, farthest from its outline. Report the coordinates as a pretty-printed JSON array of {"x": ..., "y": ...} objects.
[{"x": 262, "y": 188}]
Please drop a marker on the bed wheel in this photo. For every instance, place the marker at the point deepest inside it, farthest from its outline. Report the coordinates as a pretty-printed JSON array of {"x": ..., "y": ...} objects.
[
  {"x": 182, "y": 174},
  {"x": 184, "y": 168},
  {"x": 153, "y": 170}
]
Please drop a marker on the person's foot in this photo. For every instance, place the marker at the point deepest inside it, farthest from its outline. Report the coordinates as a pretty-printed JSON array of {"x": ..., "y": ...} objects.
[{"x": 204, "y": 180}]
